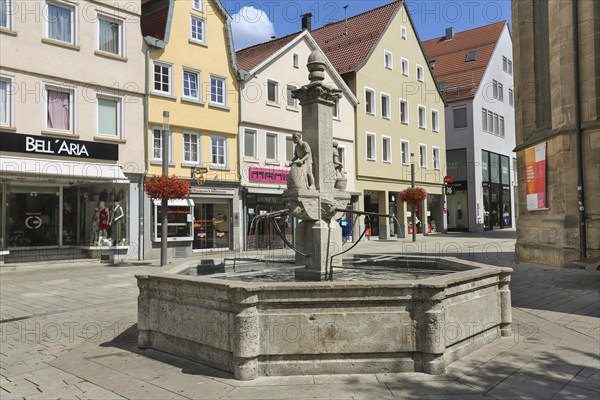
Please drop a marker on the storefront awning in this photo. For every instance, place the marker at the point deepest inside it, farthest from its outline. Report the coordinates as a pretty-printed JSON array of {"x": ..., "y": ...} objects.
[
  {"x": 176, "y": 202},
  {"x": 39, "y": 168},
  {"x": 264, "y": 190}
]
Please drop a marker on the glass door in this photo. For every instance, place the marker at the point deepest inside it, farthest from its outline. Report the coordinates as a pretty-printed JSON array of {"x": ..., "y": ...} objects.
[{"x": 33, "y": 216}]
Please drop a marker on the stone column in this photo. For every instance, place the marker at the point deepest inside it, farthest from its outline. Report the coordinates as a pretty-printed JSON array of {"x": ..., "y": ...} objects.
[
  {"x": 424, "y": 218},
  {"x": 143, "y": 324},
  {"x": 384, "y": 227},
  {"x": 505, "y": 304},
  {"x": 402, "y": 220},
  {"x": 245, "y": 341},
  {"x": 431, "y": 342}
]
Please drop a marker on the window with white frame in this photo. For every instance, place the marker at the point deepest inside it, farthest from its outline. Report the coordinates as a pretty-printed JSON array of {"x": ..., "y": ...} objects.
[
  {"x": 5, "y": 102},
  {"x": 403, "y": 32},
  {"x": 109, "y": 117},
  {"x": 291, "y": 101},
  {"x": 272, "y": 91},
  {"x": 110, "y": 36},
  {"x": 218, "y": 151},
  {"x": 59, "y": 110},
  {"x": 386, "y": 149},
  {"x": 197, "y": 29},
  {"x": 336, "y": 110},
  {"x": 504, "y": 64},
  {"x": 162, "y": 77},
  {"x": 217, "y": 91},
  {"x": 501, "y": 126},
  {"x": 197, "y": 5},
  {"x": 342, "y": 153},
  {"x": 405, "y": 152},
  {"x": 484, "y": 124},
  {"x": 496, "y": 125},
  {"x": 388, "y": 60},
  {"x": 422, "y": 117},
  {"x": 271, "y": 146},
  {"x": 5, "y": 16},
  {"x": 460, "y": 117},
  {"x": 510, "y": 67},
  {"x": 385, "y": 106},
  {"x": 435, "y": 120},
  {"x": 191, "y": 153},
  {"x": 295, "y": 61},
  {"x": 290, "y": 148},
  {"x": 191, "y": 82},
  {"x": 404, "y": 64},
  {"x": 61, "y": 22},
  {"x": 511, "y": 98},
  {"x": 250, "y": 143},
  {"x": 490, "y": 122},
  {"x": 403, "y": 111},
  {"x": 500, "y": 92},
  {"x": 370, "y": 101},
  {"x": 157, "y": 140},
  {"x": 371, "y": 147},
  {"x": 423, "y": 156},
  {"x": 494, "y": 89},
  {"x": 436, "y": 158},
  {"x": 420, "y": 75}
]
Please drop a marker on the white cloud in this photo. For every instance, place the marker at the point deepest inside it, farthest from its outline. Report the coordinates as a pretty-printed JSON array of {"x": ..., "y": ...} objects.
[{"x": 251, "y": 26}]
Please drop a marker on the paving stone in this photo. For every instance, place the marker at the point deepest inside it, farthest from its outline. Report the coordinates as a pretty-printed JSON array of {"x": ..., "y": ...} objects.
[
  {"x": 431, "y": 388},
  {"x": 522, "y": 386},
  {"x": 332, "y": 391},
  {"x": 591, "y": 383},
  {"x": 571, "y": 392},
  {"x": 347, "y": 379}
]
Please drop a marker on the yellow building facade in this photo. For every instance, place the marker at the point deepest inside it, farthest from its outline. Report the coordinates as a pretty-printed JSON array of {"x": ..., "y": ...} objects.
[{"x": 193, "y": 97}]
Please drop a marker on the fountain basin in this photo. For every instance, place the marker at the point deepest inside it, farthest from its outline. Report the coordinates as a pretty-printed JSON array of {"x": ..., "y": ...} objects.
[{"x": 254, "y": 329}]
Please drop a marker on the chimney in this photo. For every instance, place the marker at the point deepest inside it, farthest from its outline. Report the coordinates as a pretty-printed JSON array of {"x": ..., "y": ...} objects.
[
  {"x": 307, "y": 22},
  {"x": 449, "y": 33}
]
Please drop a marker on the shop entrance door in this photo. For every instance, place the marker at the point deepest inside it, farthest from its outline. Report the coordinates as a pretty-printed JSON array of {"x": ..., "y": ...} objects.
[
  {"x": 212, "y": 224},
  {"x": 33, "y": 216}
]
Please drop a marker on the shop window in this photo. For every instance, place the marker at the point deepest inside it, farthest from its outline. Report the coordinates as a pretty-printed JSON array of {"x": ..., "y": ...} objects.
[
  {"x": 179, "y": 220},
  {"x": 212, "y": 224},
  {"x": 290, "y": 148}
]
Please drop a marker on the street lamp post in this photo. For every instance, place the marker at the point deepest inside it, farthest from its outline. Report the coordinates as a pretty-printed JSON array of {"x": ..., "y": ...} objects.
[
  {"x": 412, "y": 185},
  {"x": 164, "y": 207}
]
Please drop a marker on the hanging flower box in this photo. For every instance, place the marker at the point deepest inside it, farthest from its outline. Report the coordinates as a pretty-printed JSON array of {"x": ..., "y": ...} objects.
[
  {"x": 413, "y": 195},
  {"x": 166, "y": 187}
]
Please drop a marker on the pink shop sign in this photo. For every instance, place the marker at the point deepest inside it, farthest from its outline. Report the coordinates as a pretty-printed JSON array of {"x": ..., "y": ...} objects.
[{"x": 268, "y": 175}]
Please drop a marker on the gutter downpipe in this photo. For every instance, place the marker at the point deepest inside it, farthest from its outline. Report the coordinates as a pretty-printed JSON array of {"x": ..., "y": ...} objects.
[
  {"x": 151, "y": 43},
  {"x": 579, "y": 136}
]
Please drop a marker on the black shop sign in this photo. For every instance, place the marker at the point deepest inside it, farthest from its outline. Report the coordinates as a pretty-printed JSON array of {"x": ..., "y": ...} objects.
[{"x": 41, "y": 145}]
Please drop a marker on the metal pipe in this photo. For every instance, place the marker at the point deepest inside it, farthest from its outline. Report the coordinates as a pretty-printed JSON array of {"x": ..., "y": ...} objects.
[
  {"x": 413, "y": 211},
  {"x": 165, "y": 203},
  {"x": 579, "y": 135}
]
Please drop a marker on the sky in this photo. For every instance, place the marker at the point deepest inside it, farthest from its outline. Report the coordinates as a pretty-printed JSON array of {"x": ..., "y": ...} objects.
[{"x": 257, "y": 21}]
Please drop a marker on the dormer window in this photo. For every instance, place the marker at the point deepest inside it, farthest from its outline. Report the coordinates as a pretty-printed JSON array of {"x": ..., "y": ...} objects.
[
  {"x": 442, "y": 85},
  {"x": 471, "y": 56},
  {"x": 432, "y": 64}
]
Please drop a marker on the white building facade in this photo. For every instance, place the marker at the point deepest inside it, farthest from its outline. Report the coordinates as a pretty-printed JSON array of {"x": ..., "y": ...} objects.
[
  {"x": 71, "y": 99},
  {"x": 269, "y": 118},
  {"x": 480, "y": 129}
]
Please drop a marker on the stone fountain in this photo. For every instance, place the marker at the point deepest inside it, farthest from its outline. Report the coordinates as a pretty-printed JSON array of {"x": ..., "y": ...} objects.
[
  {"x": 316, "y": 188},
  {"x": 263, "y": 328}
]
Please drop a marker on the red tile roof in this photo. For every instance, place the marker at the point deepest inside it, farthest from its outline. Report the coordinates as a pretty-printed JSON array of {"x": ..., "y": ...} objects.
[
  {"x": 154, "y": 18},
  {"x": 250, "y": 57},
  {"x": 347, "y": 49},
  {"x": 462, "y": 78}
]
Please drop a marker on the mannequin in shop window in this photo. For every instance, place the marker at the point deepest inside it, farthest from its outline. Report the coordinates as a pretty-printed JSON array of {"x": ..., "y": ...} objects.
[
  {"x": 459, "y": 214},
  {"x": 118, "y": 224},
  {"x": 103, "y": 223}
]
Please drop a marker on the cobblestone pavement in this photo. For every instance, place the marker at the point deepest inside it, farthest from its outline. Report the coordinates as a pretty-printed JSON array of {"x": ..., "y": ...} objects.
[{"x": 67, "y": 331}]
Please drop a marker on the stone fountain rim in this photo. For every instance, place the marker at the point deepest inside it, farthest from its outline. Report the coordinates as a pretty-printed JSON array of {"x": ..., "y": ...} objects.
[{"x": 476, "y": 270}]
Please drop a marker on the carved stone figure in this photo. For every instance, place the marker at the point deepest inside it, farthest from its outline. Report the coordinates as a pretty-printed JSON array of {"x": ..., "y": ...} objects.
[
  {"x": 301, "y": 173},
  {"x": 337, "y": 163}
]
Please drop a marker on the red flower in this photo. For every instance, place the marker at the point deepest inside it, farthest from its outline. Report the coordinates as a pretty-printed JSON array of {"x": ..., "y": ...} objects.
[
  {"x": 413, "y": 195},
  {"x": 166, "y": 187}
]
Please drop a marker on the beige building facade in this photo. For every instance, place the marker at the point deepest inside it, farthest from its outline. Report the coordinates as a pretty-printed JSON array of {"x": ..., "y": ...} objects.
[
  {"x": 562, "y": 226},
  {"x": 71, "y": 121},
  {"x": 399, "y": 121}
]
